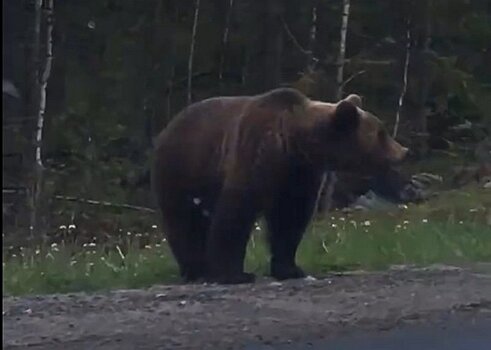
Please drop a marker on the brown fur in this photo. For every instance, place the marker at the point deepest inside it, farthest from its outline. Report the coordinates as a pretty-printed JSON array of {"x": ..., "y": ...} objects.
[{"x": 225, "y": 161}]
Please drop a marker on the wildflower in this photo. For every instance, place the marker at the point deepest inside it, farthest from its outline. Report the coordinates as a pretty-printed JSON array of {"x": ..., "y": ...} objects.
[
  {"x": 154, "y": 226},
  {"x": 196, "y": 201},
  {"x": 62, "y": 227},
  {"x": 367, "y": 223},
  {"x": 424, "y": 221},
  {"x": 405, "y": 222},
  {"x": 324, "y": 246},
  {"x": 73, "y": 262},
  {"x": 334, "y": 225},
  {"x": 128, "y": 233},
  {"x": 37, "y": 251},
  {"x": 157, "y": 245},
  {"x": 71, "y": 227},
  {"x": 120, "y": 252},
  {"x": 148, "y": 247},
  {"x": 342, "y": 218},
  {"x": 92, "y": 244}
]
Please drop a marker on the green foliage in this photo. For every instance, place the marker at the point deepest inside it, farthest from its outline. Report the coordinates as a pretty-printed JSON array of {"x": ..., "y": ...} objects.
[{"x": 120, "y": 70}]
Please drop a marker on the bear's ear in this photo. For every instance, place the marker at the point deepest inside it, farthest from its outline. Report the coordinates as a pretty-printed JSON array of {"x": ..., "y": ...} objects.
[
  {"x": 346, "y": 117},
  {"x": 355, "y": 99}
]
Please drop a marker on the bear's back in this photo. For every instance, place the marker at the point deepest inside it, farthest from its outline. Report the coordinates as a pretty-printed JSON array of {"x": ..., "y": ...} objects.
[{"x": 191, "y": 147}]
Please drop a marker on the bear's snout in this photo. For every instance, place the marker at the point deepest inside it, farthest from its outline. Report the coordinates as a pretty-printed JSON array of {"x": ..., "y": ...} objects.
[{"x": 398, "y": 154}]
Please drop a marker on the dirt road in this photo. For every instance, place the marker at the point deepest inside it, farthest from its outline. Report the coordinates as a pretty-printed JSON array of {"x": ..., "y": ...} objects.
[{"x": 263, "y": 315}]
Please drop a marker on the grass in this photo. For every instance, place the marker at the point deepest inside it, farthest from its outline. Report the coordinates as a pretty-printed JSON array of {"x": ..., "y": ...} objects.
[{"x": 449, "y": 229}]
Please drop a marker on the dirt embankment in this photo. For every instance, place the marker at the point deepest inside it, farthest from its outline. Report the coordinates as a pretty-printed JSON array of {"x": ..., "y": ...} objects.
[{"x": 226, "y": 317}]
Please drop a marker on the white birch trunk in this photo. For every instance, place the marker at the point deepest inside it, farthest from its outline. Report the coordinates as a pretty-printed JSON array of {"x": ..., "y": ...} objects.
[
  {"x": 404, "y": 81},
  {"x": 342, "y": 49},
  {"x": 34, "y": 109},
  {"x": 191, "y": 50},
  {"x": 43, "y": 77}
]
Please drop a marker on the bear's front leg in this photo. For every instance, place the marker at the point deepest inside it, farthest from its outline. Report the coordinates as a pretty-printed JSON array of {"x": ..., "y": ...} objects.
[
  {"x": 232, "y": 222},
  {"x": 288, "y": 219}
]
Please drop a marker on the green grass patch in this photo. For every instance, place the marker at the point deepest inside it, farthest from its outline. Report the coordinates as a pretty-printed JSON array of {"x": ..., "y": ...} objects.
[{"x": 452, "y": 228}]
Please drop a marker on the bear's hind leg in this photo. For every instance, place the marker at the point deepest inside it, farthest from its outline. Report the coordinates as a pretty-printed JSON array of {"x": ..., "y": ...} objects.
[
  {"x": 231, "y": 226},
  {"x": 186, "y": 231}
]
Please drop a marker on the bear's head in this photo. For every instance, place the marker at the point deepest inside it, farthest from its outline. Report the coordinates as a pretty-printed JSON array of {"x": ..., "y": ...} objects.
[{"x": 355, "y": 139}]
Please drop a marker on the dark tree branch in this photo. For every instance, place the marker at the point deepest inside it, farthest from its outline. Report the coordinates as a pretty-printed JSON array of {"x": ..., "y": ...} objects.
[{"x": 103, "y": 203}]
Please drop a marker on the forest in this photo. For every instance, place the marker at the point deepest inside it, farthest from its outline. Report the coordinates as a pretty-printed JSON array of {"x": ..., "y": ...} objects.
[{"x": 88, "y": 84}]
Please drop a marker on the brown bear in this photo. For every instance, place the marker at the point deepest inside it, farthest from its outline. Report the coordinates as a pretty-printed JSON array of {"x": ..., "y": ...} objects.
[{"x": 223, "y": 162}]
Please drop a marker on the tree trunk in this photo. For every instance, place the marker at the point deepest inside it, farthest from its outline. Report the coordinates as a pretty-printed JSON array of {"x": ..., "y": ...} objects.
[
  {"x": 312, "y": 38},
  {"x": 168, "y": 104},
  {"x": 225, "y": 43},
  {"x": 32, "y": 98},
  {"x": 404, "y": 80},
  {"x": 43, "y": 85},
  {"x": 191, "y": 50},
  {"x": 421, "y": 74},
  {"x": 342, "y": 49},
  {"x": 244, "y": 72},
  {"x": 266, "y": 46}
]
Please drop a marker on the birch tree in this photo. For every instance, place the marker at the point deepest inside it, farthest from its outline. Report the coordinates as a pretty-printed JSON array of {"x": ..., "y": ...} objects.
[
  {"x": 342, "y": 49},
  {"x": 404, "y": 80},
  {"x": 191, "y": 50},
  {"x": 42, "y": 73},
  {"x": 32, "y": 110}
]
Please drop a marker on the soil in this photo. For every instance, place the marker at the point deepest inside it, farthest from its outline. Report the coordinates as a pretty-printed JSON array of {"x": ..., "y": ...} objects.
[{"x": 232, "y": 317}]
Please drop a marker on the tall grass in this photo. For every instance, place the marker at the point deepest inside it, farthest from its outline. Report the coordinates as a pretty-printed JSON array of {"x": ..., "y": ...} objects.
[{"x": 449, "y": 229}]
